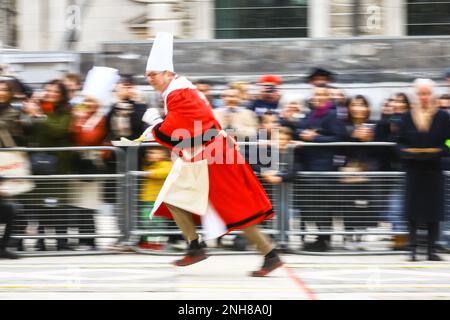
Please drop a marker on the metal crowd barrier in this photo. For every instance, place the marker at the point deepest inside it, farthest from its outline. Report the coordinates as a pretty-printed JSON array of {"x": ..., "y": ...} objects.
[
  {"x": 340, "y": 204},
  {"x": 142, "y": 226},
  {"x": 108, "y": 208},
  {"x": 159, "y": 230},
  {"x": 348, "y": 205},
  {"x": 345, "y": 204},
  {"x": 64, "y": 210}
]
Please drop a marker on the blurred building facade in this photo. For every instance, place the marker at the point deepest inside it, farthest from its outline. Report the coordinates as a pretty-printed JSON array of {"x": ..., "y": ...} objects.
[{"x": 83, "y": 24}]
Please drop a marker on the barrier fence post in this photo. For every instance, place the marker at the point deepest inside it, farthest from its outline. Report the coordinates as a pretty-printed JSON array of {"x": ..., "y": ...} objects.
[
  {"x": 122, "y": 190},
  {"x": 132, "y": 164},
  {"x": 286, "y": 194}
]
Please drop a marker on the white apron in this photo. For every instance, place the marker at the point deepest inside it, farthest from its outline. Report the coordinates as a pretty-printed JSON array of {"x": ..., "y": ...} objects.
[{"x": 186, "y": 187}]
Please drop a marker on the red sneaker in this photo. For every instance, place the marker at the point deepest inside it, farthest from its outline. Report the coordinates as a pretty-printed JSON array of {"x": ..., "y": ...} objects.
[
  {"x": 191, "y": 258},
  {"x": 268, "y": 266}
]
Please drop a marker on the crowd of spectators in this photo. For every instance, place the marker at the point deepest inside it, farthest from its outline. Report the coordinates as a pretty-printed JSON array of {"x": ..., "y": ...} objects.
[{"x": 59, "y": 116}]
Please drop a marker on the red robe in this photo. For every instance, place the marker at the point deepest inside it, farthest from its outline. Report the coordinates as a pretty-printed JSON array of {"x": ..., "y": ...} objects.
[{"x": 234, "y": 190}]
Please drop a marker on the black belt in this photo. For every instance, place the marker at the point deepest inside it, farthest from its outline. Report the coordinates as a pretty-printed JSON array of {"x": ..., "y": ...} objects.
[{"x": 205, "y": 137}]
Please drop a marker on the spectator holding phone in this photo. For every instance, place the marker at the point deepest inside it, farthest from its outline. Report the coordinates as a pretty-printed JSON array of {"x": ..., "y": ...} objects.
[
  {"x": 359, "y": 127},
  {"x": 358, "y": 207},
  {"x": 49, "y": 121},
  {"x": 125, "y": 117}
]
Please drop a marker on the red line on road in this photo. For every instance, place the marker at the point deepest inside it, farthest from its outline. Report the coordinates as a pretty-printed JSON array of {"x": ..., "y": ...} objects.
[{"x": 311, "y": 295}]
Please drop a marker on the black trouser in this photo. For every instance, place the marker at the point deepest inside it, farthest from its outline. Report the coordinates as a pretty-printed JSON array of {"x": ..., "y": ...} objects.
[
  {"x": 7, "y": 214},
  {"x": 56, "y": 218},
  {"x": 86, "y": 225},
  {"x": 46, "y": 217},
  {"x": 433, "y": 234},
  {"x": 317, "y": 206}
]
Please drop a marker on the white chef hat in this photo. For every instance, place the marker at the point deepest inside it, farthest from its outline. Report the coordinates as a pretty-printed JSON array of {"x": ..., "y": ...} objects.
[
  {"x": 100, "y": 83},
  {"x": 161, "y": 55}
]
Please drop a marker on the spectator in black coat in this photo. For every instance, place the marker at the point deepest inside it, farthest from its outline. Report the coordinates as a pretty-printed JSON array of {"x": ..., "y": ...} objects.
[
  {"x": 320, "y": 77},
  {"x": 321, "y": 125},
  {"x": 391, "y": 116},
  {"x": 359, "y": 209},
  {"x": 423, "y": 133},
  {"x": 388, "y": 131},
  {"x": 124, "y": 120},
  {"x": 125, "y": 117}
]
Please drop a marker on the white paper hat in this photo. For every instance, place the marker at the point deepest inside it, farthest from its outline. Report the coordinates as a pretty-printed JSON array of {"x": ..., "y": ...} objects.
[
  {"x": 100, "y": 83},
  {"x": 161, "y": 55}
]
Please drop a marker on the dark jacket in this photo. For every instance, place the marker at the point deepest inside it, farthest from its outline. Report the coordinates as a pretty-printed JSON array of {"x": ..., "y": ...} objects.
[
  {"x": 293, "y": 124},
  {"x": 368, "y": 157},
  {"x": 260, "y": 107},
  {"x": 11, "y": 133},
  {"x": 387, "y": 131},
  {"x": 330, "y": 130},
  {"x": 424, "y": 198},
  {"x": 135, "y": 114},
  {"x": 52, "y": 131}
]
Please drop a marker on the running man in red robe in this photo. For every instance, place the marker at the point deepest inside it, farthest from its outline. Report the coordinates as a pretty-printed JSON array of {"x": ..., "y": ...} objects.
[{"x": 210, "y": 182}]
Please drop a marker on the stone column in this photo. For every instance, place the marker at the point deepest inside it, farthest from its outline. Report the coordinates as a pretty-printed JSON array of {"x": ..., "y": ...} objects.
[
  {"x": 163, "y": 18},
  {"x": 3, "y": 26},
  {"x": 395, "y": 18},
  {"x": 318, "y": 18},
  {"x": 202, "y": 19},
  {"x": 28, "y": 24}
]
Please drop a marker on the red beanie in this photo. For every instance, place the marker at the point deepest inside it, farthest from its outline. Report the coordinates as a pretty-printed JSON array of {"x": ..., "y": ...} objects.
[{"x": 270, "y": 78}]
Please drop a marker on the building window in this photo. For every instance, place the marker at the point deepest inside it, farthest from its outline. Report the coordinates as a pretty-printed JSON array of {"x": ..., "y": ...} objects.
[
  {"x": 428, "y": 17},
  {"x": 260, "y": 19},
  {"x": 8, "y": 30}
]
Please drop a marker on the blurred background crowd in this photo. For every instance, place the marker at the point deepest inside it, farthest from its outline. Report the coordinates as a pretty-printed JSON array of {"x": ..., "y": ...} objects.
[{"x": 58, "y": 115}]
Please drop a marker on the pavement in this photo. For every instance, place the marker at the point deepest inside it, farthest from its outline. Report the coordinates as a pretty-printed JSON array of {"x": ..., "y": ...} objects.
[{"x": 136, "y": 276}]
